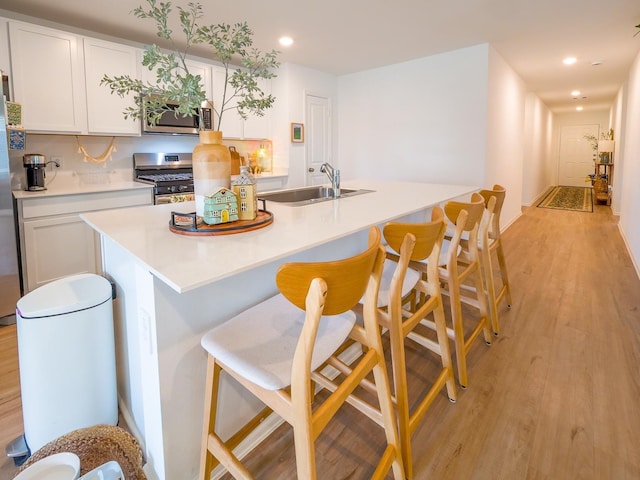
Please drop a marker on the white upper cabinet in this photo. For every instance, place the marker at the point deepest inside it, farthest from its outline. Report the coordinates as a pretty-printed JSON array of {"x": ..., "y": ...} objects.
[
  {"x": 233, "y": 126},
  {"x": 255, "y": 126},
  {"x": 47, "y": 69},
  {"x": 104, "y": 110},
  {"x": 204, "y": 70},
  {"x": 195, "y": 68},
  {"x": 56, "y": 78}
]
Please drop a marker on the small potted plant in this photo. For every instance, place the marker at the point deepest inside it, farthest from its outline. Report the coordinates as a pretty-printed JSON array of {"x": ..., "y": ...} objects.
[{"x": 175, "y": 84}]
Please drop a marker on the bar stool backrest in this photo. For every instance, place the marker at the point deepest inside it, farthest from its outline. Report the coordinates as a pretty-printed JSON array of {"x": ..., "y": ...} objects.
[
  {"x": 499, "y": 192},
  {"x": 474, "y": 209},
  {"x": 426, "y": 235},
  {"x": 346, "y": 279}
]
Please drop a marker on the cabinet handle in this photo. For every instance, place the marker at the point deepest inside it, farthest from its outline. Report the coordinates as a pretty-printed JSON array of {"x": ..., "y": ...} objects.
[{"x": 311, "y": 169}]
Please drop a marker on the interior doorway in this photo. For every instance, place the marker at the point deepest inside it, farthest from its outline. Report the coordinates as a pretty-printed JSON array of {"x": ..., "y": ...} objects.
[
  {"x": 577, "y": 155},
  {"x": 317, "y": 137}
]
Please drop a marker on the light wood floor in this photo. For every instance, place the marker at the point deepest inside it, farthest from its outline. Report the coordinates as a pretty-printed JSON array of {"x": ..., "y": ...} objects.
[{"x": 557, "y": 395}]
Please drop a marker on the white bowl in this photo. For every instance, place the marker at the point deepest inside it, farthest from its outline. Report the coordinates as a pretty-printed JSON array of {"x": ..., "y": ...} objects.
[{"x": 60, "y": 466}]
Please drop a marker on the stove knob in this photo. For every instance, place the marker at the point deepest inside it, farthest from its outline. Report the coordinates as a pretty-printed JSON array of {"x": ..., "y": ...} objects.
[
  {"x": 172, "y": 188},
  {"x": 183, "y": 188}
]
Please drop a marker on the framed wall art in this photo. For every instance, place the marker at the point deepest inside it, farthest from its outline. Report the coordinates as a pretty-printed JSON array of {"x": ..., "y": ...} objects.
[{"x": 297, "y": 133}]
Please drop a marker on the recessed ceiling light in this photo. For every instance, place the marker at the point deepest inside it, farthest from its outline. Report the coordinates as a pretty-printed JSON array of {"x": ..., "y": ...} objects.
[
  {"x": 579, "y": 109},
  {"x": 569, "y": 60},
  {"x": 286, "y": 41},
  {"x": 575, "y": 93}
]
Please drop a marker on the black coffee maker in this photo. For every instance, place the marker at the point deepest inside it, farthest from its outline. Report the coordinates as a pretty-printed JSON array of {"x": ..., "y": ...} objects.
[{"x": 35, "y": 163}]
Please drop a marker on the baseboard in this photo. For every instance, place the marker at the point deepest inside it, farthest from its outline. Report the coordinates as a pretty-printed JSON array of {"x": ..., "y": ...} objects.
[
  {"x": 8, "y": 320},
  {"x": 629, "y": 251},
  {"x": 539, "y": 198},
  {"x": 504, "y": 227}
]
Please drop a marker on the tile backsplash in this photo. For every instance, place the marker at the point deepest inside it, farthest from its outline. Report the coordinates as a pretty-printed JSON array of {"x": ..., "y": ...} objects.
[{"x": 120, "y": 166}]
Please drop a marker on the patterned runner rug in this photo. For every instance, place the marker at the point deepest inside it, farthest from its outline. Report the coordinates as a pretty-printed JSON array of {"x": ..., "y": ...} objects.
[{"x": 578, "y": 199}]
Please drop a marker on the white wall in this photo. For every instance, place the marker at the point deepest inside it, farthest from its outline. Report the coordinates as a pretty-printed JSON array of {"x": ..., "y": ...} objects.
[
  {"x": 630, "y": 157},
  {"x": 423, "y": 120},
  {"x": 289, "y": 88},
  {"x": 538, "y": 168},
  {"x": 505, "y": 134},
  {"x": 456, "y": 117},
  {"x": 617, "y": 120}
]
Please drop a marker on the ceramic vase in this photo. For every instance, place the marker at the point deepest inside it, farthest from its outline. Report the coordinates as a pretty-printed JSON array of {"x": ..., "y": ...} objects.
[{"x": 211, "y": 167}]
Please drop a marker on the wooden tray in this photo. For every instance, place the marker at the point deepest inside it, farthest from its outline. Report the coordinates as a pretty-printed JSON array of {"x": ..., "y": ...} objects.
[{"x": 186, "y": 224}]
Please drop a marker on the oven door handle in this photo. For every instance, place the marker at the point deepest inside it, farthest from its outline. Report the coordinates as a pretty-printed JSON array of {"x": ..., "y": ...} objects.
[{"x": 174, "y": 198}]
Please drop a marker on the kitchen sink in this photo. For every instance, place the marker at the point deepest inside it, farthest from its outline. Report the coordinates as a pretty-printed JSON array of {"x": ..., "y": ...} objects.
[{"x": 308, "y": 195}]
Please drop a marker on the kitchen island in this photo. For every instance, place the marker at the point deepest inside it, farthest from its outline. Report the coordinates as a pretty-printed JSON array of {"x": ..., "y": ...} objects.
[{"x": 172, "y": 288}]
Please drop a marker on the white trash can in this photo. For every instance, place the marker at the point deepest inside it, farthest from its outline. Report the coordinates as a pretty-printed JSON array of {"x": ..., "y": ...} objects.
[{"x": 67, "y": 358}]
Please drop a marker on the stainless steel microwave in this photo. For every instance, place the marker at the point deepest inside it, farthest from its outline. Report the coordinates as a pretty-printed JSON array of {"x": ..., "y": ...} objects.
[{"x": 172, "y": 124}]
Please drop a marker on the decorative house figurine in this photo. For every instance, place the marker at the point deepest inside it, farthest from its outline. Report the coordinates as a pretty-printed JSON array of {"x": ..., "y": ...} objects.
[
  {"x": 220, "y": 207},
  {"x": 244, "y": 186}
]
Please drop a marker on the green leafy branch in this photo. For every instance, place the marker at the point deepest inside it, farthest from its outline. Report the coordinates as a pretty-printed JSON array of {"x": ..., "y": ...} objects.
[{"x": 245, "y": 94}]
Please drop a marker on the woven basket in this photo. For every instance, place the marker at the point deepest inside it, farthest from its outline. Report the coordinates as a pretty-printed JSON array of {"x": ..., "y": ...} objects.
[
  {"x": 95, "y": 446},
  {"x": 600, "y": 185}
]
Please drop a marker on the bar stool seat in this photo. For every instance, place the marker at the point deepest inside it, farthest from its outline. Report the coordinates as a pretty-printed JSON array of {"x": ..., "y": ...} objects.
[{"x": 260, "y": 342}]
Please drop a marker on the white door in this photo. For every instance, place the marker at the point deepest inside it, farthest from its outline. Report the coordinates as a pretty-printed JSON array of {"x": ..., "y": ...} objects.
[
  {"x": 317, "y": 137},
  {"x": 576, "y": 155}
]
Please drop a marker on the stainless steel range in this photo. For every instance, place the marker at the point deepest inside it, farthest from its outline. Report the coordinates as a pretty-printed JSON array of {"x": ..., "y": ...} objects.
[{"x": 170, "y": 173}]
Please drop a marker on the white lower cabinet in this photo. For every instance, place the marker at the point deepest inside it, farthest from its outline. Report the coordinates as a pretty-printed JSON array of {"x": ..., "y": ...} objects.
[
  {"x": 56, "y": 242},
  {"x": 57, "y": 247}
]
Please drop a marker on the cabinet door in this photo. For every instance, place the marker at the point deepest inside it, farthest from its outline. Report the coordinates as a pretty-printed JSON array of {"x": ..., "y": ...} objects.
[
  {"x": 47, "y": 69},
  {"x": 231, "y": 121},
  {"x": 57, "y": 247},
  {"x": 104, "y": 110},
  {"x": 259, "y": 127},
  {"x": 204, "y": 70}
]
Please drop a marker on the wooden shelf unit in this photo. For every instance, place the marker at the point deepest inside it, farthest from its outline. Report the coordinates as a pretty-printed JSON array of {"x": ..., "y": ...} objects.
[{"x": 602, "y": 186}]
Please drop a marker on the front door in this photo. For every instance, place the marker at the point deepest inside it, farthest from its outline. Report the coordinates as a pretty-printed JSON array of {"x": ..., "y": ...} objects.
[
  {"x": 576, "y": 154},
  {"x": 317, "y": 138}
]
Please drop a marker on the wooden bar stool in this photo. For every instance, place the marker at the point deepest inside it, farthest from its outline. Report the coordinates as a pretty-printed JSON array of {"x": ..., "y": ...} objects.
[
  {"x": 484, "y": 250},
  {"x": 273, "y": 348},
  {"x": 495, "y": 241},
  {"x": 415, "y": 242},
  {"x": 401, "y": 286},
  {"x": 462, "y": 278}
]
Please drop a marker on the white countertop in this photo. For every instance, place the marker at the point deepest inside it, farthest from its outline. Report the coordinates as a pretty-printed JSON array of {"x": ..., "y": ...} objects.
[
  {"x": 66, "y": 184},
  {"x": 188, "y": 262}
]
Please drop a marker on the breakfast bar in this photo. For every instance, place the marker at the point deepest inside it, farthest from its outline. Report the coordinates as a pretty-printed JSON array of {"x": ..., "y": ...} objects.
[{"x": 173, "y": 288}]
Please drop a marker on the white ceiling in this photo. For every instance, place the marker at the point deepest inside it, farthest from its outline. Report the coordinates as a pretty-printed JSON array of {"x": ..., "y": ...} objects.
[{"x": 346, "y": 36}]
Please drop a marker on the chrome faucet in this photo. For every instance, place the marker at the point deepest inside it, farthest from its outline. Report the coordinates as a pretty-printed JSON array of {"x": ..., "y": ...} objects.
[{"x": 334, "y": 176}]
